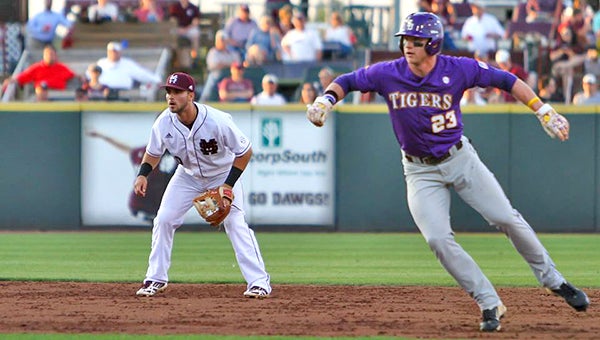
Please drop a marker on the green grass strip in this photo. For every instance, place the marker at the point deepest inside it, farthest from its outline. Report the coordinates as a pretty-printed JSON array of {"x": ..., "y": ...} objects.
[{"x": 291, "y": 258}]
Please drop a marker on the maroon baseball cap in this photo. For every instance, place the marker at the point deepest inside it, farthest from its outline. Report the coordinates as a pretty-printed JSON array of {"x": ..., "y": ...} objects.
[{"x": 181, "y": 81}]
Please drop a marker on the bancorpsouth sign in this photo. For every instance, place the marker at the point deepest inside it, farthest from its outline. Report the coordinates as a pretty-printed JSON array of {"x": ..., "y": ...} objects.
[{"x": 292, "y": 168}]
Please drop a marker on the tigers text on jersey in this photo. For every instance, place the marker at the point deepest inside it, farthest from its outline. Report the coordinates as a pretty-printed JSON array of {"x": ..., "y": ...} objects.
[
  {"x": 425, "y": 112},
  {"x": 207, "y": 150}
]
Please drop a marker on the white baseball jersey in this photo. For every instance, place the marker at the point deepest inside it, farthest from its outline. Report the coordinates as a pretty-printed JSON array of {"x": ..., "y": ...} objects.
[{"x": 207, "y": 150}]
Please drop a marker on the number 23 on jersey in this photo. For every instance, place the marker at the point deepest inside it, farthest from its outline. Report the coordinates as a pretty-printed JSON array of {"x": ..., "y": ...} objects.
[{"x": 443, "y": 121}]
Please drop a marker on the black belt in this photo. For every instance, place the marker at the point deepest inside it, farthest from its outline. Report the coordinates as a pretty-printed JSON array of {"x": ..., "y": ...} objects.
[{"x": 430, "y": 160}]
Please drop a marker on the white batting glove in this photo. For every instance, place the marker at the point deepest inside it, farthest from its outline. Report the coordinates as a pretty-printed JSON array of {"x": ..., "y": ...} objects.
[
  {"x": 553, "y": 123},
  {"x": 317, "y": 111}
]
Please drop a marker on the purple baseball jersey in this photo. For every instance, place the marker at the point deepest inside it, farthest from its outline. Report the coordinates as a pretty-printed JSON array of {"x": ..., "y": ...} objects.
[{"x": 425, "y": 112}]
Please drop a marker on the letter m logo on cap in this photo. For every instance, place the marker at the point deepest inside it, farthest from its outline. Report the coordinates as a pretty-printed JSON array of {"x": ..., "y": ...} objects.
[{"x": 173, "y": 79}]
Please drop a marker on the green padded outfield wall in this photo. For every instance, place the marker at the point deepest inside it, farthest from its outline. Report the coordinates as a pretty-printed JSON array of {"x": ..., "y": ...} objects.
[
  {"x": 39, "y": 167},
  {"x": 554, "y": 185}
]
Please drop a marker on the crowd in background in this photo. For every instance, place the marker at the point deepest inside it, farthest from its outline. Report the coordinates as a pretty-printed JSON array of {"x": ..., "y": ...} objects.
[{"x": 281, "y": 35}]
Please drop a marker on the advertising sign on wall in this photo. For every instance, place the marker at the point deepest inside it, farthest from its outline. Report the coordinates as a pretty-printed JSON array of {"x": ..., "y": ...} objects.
[
  {"x": 291, "y": 173},
  {"x": 290, "y": 180}
]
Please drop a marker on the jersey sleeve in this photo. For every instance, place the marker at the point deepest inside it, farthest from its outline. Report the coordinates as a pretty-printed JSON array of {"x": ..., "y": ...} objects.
[
  {"x": 156, "y": 146},
  {"x": 359, "y": 80},
  {"x": 234, "y": 139},
  {"x": 481, "y": 74}
]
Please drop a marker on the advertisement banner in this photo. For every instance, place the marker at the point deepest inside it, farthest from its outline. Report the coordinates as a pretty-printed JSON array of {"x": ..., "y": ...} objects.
[
  {"x": 292, "y": 170},
  {"x": 290, "y": 180}
]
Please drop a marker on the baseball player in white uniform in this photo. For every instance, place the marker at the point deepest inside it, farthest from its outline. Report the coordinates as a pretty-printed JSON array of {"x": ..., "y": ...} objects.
[{"x": 211, "y": 152}]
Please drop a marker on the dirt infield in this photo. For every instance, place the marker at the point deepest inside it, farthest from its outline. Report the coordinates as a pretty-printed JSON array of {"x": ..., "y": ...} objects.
[{"x": 424, "y": 312}]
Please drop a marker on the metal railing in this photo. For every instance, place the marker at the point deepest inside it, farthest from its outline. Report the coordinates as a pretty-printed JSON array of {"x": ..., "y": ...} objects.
[{"x": 11, "y": 89}]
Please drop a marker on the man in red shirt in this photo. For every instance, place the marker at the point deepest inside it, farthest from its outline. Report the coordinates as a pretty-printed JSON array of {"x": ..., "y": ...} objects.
[
  {"x": 48, "y": 72},
  {"x": 236, "y": 88}
]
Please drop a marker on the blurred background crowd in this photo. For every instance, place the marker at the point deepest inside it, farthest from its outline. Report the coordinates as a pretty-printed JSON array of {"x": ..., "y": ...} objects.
[{"x": 281, "y": 51}]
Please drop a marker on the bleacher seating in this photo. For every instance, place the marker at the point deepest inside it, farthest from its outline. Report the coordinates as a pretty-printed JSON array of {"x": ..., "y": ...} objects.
[
  {"x": 144, "y": 35},
  {"x": 79, "y": 60},
  {"x": 124, "y": 5}
]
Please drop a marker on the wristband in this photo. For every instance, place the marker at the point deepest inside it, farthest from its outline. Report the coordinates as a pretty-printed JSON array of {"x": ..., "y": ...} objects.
[
  {"x": 233, "y": 176},
  {"x": 331, "y": 96},
  {"x": 543, "y": 109},
  {"x": 145, "y": 169},
  {"x": 533, "y": 101}
]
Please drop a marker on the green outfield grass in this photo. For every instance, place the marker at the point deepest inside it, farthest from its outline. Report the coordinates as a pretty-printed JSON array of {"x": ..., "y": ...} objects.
[
  {"x": 306, "y": 258},
  {"x": 291, "y": 258}
]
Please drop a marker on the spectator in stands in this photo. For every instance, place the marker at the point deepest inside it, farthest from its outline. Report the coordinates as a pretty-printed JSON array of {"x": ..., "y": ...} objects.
[
  {"x": 187, "y": 16},
  {"x": 103, "y": 11},
  {"x": 46, "y": 74},
  {"x": 148, "y": 11},
  {"x": 273, "y": 7},
  {"x": 41, "y": 29},
  {"x": 285, "y": 20},
  {"x": 591, "y": 64},
  {"x": 81, "y": 95},
  {"x": 481, "y": 30},
  {"x": 535, "y": 10},
  {"x": 596, "y": 28},
  {"x": 238, "y": 29},
  {"x": 424, "y": 5},
  {"x": 581, "y": 28},
  {"x": 92, "y": 87},
  {"x": 587, "y": 10},
  {"x": 550, "y": 91},
  {"x": 340, "y": 34},
  {"x": 269, "y": 94},
  {"x": 589, "y": 95},
  {"x": 264, "y": 43},
  {"x": 503, "y": 59},
  {"x": 218, "y": 58},
  {"x": 578, "y": 14},
  {"x": 567, "y": 54},
  {"x": 236, "y": 88},
  {"x": 122, "y": 73},
  {"x": 308, "y": 93},
  {"x": 326, "y": 76},
  {"x": 526, "y": 11},
  {"x": 301, "y": 44},
  {"x": 445, "y": 11},
  {"x": 473, "y": 96}
]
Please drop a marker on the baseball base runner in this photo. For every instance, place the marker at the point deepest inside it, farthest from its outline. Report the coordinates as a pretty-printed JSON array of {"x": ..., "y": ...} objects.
[{"x": 422, "y": 90}]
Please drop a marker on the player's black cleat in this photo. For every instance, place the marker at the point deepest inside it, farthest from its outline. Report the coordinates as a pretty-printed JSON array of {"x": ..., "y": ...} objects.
[
  {"x": 491, "y": 319},
  {"x": 575, "y": 297}
]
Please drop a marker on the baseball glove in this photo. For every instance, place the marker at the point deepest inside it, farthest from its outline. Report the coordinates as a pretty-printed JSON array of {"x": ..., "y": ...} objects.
[{"x": 214, "y": 205}]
